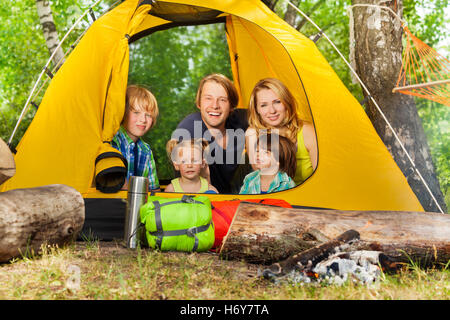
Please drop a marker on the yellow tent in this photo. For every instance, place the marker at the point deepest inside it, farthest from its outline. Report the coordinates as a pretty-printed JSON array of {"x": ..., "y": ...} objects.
[{"x": 68, "y": 139}]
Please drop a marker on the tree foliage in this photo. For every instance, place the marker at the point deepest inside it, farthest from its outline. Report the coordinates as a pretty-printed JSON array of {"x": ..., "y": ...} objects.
[
  {"x": 426, "y": 19},
  {"x": 23, "y": 54}
]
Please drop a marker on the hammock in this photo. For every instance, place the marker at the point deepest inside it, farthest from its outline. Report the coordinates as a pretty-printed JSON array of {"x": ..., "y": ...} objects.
[{"x": 424, "y": 73}]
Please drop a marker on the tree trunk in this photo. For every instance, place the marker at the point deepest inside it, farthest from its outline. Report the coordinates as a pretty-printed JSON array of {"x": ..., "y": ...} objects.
[
  {"x": 7, "y": 164},
  {"x": 51, "y": 215},
  {"x": 267, "y": 234},
  {"x": 49, "y": 30},
  {"x": 291, "y": 14},
  {"x": 270, "y": 3},
  {"x": 378, "y": 58}
]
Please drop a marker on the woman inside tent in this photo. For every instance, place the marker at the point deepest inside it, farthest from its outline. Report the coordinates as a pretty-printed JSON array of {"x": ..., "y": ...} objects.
[{"x": 272, "y": 106}]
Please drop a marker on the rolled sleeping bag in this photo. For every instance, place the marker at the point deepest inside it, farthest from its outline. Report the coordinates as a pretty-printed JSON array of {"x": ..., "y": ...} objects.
[
  {"x": 110, "y": 170},
  {"x": 178, "y": 224}
]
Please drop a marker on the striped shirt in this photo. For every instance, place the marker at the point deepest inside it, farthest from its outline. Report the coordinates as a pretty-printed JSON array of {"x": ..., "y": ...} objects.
[
  {"x": 144, "y": 165},
  {"x": 252, "y": 183}
]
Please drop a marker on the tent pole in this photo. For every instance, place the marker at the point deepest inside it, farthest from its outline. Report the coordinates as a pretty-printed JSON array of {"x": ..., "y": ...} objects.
[
  {"x": 25, "y": 108},
  {"x": 373, "y": 100}
]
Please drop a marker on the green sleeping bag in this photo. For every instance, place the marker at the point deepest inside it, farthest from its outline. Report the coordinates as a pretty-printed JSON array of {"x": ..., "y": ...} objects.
[{"x": 178, "y": 224}]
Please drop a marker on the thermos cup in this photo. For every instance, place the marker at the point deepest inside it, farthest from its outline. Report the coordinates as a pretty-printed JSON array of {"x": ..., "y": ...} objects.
[{"x": 137, "y": 196}]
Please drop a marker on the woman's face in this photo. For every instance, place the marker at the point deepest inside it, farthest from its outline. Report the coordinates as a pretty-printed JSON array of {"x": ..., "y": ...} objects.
[{"x": 270, "y": 108}]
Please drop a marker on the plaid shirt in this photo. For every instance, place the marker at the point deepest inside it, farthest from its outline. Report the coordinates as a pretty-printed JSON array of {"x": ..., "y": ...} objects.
[
  {"x": 252, "y": 183},
  {"x": 146, "y": 166}
]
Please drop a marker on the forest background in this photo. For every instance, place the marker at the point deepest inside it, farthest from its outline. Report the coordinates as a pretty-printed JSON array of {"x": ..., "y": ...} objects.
[{"x": 171, "y": 63}]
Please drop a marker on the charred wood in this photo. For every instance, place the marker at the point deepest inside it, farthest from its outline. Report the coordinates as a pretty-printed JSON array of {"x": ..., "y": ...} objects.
[{"x": 309, "y": 258}]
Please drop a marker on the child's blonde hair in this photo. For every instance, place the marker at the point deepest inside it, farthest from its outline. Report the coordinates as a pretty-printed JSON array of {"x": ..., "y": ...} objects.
[
  {"x": 173, "y": 145},
  {"x": 140, "y": 96},
  {"x": 291, "y": 121}
]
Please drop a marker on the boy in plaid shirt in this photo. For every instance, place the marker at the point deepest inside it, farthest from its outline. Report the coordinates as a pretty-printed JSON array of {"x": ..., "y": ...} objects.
[{"x": 141, "y": 110}]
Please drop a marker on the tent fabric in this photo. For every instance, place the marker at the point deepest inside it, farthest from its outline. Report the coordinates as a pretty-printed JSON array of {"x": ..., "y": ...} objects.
[{"x": 84, "y": 105}]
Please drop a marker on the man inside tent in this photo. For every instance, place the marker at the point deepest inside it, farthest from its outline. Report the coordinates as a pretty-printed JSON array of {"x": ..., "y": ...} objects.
[{"x": 223, "y": 126}]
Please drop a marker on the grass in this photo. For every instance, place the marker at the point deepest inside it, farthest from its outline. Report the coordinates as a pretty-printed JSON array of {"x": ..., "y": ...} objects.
[{"x": 99, "y": 270}]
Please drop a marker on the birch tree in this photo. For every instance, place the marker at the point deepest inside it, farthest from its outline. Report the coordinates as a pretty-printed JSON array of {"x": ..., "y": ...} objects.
[{"x": 49, "y": 30}]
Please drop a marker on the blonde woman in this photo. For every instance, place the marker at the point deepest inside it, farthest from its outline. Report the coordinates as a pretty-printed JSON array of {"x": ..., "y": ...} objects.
[{"x": 273, "y": 108}]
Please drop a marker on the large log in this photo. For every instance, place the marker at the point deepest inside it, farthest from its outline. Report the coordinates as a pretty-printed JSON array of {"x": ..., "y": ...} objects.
[
  {"x": 7, "y": 164},
  {"x": 266, "y": 234},
  {"x": 52, "y": 215}
]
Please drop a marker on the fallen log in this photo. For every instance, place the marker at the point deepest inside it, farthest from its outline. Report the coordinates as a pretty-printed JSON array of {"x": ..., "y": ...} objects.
[
  {"x": 7, "y": 164},
  {"x": 266, "y": 234},
  {"x": 52, "y": 215}
]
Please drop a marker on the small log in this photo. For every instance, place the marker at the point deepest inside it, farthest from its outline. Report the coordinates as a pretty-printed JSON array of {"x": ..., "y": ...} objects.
[
  {"x": 267, "y": 234},
  {"x": 52, "y": 215},
  {"x": 7, "y": 164}
]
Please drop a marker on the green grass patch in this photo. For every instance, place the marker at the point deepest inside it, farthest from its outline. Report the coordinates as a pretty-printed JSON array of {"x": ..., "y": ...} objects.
[{"x": 107, "y": 270}]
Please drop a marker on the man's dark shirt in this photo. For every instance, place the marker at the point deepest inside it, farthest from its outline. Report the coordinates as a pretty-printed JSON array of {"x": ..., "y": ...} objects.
[{"x": 221, "y": 171}]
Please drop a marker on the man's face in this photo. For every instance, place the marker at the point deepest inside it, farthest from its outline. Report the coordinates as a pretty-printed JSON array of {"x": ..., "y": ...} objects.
[{"x": 214, "y": 105}]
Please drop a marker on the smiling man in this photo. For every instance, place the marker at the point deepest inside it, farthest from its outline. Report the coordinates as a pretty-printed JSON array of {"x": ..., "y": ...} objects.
[{"x": 222, "y": 125}]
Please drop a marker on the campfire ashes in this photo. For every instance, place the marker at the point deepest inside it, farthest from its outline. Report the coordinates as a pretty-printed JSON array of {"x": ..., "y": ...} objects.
[
  {"x": 358, "y": 266},
  {"x": 334, "y": 262}
]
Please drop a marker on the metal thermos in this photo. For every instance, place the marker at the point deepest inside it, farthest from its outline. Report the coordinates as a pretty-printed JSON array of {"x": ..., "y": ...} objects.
[{"x": 137, "y": 196}]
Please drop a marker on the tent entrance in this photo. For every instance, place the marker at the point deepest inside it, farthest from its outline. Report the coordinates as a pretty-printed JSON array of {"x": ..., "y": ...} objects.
[
  {"x": 249, "y": 53},
  {"x": 254, "y": 53},
  {"x": 176, "y": 15},
  {"x": 182, "y": 13},
  {"x": 171, "y": 25}
]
